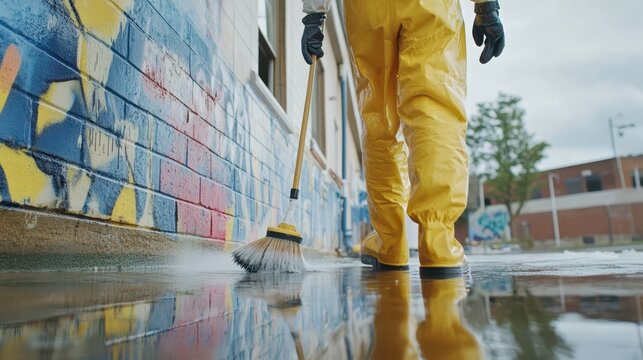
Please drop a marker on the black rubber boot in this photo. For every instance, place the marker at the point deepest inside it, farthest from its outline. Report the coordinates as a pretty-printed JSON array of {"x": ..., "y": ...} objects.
[
  {"x": 378, "y": 266},
  {"x": 444, "y": 272}
]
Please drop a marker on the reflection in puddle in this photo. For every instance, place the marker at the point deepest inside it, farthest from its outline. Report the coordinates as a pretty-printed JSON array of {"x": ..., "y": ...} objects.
[{"x": 339, "y": 313}]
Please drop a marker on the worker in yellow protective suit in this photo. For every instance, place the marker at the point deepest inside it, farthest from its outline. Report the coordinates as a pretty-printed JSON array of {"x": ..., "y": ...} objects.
[
  {"x": 442, "y": 334},
  {"x": 410, "y": 67}
]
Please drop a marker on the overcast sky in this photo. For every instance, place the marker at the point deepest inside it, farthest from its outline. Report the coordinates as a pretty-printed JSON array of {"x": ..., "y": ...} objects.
[{"x": 575, "y": 63}]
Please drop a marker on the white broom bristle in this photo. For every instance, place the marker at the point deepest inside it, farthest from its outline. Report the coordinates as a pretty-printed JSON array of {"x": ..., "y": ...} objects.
[{"x": 270, "y": 254}]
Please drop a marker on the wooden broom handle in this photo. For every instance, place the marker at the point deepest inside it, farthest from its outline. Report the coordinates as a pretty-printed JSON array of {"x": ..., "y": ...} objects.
[{"x": 294, "y": 192}]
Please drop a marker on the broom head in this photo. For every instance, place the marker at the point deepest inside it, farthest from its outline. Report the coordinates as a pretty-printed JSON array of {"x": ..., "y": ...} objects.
[{"x": 278, "y": 252}]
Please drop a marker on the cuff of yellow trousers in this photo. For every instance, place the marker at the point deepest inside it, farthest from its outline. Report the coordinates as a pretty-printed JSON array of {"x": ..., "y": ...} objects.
[{"x": 438, "y": 246}]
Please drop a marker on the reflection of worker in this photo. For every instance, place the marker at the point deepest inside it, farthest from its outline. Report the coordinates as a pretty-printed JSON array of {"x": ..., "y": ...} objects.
[
  {"x": 441, "y": 335},
  {"x": 410, "y": 65},
  {"x": 392, "y": 316}
]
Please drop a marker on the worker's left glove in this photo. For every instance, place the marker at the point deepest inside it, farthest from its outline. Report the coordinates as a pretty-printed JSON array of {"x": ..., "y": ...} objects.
[
  {"x": 311, "y": 40},
  {"x": 487, "y": 25}
]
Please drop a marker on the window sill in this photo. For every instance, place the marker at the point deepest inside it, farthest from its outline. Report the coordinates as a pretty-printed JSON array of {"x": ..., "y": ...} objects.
[
  {"x": 338, "y": 180},
  {"x": 318, "y": 154},
  {"x": 269, "y": 99}
]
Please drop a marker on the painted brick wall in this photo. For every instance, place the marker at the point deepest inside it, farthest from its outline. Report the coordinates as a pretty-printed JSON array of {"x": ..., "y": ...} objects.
[{"x": 139, "y": 112}]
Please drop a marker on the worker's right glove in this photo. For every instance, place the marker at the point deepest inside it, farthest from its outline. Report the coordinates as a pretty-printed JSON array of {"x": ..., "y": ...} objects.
[
  {"x": 487, "y": 24},
  {"x": 311, "y": 40}
]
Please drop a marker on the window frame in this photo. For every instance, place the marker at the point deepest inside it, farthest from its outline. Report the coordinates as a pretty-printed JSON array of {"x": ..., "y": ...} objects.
[
  {"x": 318, "y": 109},
  {"x": 275, "y": 80},
  {"x": 574, "y": 185}
]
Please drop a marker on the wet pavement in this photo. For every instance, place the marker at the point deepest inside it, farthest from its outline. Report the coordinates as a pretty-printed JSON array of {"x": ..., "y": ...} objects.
[{"x": 538, "y": 306}]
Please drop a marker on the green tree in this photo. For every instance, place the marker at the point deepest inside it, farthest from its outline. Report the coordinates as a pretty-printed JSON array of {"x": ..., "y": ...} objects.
[{"x": 504, "y": 152}]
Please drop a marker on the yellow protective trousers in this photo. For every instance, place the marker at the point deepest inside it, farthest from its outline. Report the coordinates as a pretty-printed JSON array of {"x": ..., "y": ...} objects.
[{"x": 410, "y": 68}]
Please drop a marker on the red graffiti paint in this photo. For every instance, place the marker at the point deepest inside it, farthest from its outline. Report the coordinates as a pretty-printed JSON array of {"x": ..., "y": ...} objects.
[
  {"x": 193, "y": 219},
  {"x": 179, "y": 182},
  {"x": 167, "y": 106},
  {"x": 8, "y": 71}
]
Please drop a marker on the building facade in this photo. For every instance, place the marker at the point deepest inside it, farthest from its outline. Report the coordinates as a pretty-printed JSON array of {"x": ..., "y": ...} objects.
[
  {"x": 180, "y": 117},
  {"x": 591, "y": 206}
]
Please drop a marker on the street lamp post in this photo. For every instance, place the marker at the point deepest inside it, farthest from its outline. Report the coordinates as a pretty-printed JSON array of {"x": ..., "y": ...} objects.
[
  {"x": 620, "y": 128},
  {"x": 554, "y": 210}
]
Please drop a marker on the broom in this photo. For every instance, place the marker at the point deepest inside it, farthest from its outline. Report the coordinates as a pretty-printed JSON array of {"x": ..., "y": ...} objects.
[{"x": 280, "y": 250}]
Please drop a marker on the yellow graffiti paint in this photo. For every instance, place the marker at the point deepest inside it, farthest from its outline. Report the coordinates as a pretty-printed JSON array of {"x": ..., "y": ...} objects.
[
  {"x": 94, "y": 59},
  {"x": 102, "y": 18},
  {"x": 78, "y": 183},
  {"x": 127, "y": 320},
  {"x": 70, "y": 10},
  {"x": 60, "y": 94},
  {"x": 125, "y": 207},
  {"x": 26, "y": 184},
  {"x": 14, "y": 343},
  {"x": 105, "y": 21},
  {"x": 118, "y": 321},
  {"x": 8, "y": 71},
  {"x": 229, "y": 228}
]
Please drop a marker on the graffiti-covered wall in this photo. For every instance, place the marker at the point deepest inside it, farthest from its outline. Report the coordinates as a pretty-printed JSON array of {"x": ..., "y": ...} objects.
[
  {"x": 490, "y": 223},
  {"x": 133, "y": 111}
]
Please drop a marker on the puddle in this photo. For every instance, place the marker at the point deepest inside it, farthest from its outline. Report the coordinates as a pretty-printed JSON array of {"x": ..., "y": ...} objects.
[{"x": 567, "y": 305}]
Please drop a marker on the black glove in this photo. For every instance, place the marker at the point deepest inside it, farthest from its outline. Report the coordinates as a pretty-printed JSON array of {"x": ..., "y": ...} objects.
[
  {"x": 487, "y": 24},
  {"x": 311, "y": 40}
]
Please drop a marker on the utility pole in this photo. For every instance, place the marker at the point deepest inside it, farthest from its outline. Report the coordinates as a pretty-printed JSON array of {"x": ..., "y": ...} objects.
[
  {"x": 554, "y": 210},
  {"x": 620, "y": 128}
]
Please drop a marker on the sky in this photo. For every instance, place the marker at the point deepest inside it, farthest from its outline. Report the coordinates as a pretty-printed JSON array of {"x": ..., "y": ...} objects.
[{"x": 575, "y": 63}]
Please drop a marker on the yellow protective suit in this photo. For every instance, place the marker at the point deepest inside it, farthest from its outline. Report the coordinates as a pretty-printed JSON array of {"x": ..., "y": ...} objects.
[
  {"x": 322, "y": 6},
  {"x": 410, "y": 67}
]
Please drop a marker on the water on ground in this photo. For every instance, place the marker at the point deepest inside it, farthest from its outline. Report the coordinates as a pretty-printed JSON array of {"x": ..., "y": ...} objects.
[{"x": 571, "y": 305}]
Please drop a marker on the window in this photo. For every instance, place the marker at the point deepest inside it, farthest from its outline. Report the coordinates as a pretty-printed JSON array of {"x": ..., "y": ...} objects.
[
  {"x": 537, "y": 193},
  {"x": 593, "y": 183},
  {"x": 573, "y": 185},
  {"x": 637, "y": 172},
  {"x": 271, "y": 62},
  {"x": 317, "y": 113}
]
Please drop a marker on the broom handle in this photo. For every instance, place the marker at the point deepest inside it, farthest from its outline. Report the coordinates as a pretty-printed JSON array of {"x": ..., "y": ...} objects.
[{"x": 294, "y": 192}]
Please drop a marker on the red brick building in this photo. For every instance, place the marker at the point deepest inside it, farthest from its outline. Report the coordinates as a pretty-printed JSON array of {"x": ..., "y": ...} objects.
[{"x": 592, "y": 206}]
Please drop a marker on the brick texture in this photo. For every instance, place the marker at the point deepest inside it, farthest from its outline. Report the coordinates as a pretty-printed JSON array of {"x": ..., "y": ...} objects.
[{"x": 139, "y": 112}]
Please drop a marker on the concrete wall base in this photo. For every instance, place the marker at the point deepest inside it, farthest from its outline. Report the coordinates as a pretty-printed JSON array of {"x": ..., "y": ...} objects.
[
  {"x": 31, "y": 239},
  {"x": 34, "y": 240}
]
